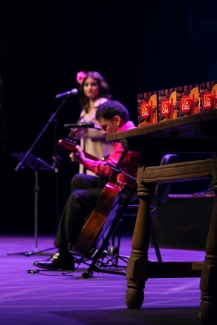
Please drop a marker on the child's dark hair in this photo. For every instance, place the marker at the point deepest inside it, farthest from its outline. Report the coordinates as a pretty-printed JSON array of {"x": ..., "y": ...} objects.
[{"x": 111, "y": 108}]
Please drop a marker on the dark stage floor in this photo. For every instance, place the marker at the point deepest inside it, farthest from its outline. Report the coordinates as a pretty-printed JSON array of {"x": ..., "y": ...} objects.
[{"x": 67, "y": 298}]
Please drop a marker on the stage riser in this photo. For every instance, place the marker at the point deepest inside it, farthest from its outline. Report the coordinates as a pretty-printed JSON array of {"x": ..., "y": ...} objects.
[{"x": 183, "y": 222}]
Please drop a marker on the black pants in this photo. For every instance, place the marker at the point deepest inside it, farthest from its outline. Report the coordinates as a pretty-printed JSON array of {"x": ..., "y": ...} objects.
[{"x": 85, "y": 192}]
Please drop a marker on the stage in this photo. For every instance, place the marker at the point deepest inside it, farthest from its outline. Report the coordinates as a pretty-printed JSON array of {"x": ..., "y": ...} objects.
[{"x": 67, "y": 298}]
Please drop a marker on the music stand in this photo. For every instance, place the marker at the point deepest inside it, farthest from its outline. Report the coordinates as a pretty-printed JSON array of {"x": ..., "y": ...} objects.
[{"x": 36, "y": 164}]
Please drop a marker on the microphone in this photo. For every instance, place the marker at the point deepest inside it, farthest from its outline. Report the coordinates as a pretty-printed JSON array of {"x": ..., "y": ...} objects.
[
  {"x": 74, "y": 91},
  {"x": 83, "y": 125}
]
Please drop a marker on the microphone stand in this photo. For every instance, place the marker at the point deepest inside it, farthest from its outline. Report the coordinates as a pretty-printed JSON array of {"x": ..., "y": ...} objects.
[
  {"x": 56, "y": 160},
  {"x": 40, "y": 134}
]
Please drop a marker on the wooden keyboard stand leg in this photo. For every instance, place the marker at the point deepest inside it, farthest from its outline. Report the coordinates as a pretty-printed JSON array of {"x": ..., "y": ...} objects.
[
  {"x": 208, "y": 283},
  {"x": 137, "y": 267}
]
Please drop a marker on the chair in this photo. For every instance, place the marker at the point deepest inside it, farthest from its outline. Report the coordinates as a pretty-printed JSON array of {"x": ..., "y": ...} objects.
[
  {"x": 130, "y": 210},
  {"x": 105, "y": 257}
]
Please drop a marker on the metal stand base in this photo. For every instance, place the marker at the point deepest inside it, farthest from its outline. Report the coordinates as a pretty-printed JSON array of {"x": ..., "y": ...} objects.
[{"x": 34, "y": 252}]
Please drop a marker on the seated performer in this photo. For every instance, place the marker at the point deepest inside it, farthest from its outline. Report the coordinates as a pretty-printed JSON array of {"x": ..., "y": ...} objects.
[{"x": 86, "y": 189}]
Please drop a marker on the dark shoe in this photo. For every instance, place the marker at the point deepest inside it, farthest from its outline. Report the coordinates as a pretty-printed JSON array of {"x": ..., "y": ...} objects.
[{"x": 57, "y": 261}]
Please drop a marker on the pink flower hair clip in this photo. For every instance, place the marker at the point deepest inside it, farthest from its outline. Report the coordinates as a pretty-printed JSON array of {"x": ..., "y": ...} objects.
[{"x": 80, "y": 77}]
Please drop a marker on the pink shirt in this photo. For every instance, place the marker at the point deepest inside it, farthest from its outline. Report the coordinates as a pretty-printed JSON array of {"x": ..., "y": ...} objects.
[{"x": 129, "y": 165}]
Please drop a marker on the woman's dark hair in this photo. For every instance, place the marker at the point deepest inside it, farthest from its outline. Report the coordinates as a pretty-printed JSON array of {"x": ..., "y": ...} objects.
[
  {"x": 104, "y": 89},
  {"x": 110, "y": 109}
]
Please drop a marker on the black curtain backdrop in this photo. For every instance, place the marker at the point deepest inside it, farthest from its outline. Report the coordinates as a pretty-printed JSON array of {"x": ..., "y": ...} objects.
[{"x": 137, "y": 45}]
